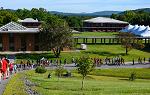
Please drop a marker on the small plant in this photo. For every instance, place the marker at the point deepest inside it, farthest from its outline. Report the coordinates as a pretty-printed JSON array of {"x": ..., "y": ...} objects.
[
  {"x": 84, "y": 66},
  {"x": 40, "y": 69},
  {"x": 59, "y": 71},
  {"x": 132, "y": 76}
]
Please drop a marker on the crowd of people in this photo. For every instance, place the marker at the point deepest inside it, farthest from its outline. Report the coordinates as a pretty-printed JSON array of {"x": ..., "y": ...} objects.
[{"x": 6, "y": 68}]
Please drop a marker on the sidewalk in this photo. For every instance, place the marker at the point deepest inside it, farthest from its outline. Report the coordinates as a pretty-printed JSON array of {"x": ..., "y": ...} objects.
[{"x": 3, "y": 85}]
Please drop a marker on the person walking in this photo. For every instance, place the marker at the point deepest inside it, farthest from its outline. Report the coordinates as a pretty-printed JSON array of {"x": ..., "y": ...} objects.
[{"x": 4, "y": 67}]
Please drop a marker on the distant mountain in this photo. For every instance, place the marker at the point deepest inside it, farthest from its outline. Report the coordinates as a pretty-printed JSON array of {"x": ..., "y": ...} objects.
[
  {"x": 138, "y": 10},
  {"x": 101, "y": 13},
  {"x": 143, "y": 9}
]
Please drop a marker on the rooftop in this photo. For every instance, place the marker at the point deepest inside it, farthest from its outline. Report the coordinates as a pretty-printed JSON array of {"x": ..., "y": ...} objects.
[
  {"x": 14, "y": 27},
  {"x": 28, "y": 20},
  {"x": 104, "y": 20}
]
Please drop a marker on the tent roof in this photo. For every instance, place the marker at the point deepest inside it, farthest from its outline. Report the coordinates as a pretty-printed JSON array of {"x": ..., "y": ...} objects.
[
  {"x": 127, "y": 28},
  {"x": 139, "y": 29}
]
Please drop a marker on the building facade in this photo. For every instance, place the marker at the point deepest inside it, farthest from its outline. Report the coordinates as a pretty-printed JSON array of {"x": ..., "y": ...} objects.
[
  {"x": 103, "y": 24},
  {"x": 21, "y": 36}
]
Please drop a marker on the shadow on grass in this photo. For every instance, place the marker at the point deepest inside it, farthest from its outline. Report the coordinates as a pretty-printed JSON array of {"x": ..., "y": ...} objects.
[
  {"x": 104, "y": 53},
  {"x": 35, "y": 56},
  {"x": 146, "y": 48}
]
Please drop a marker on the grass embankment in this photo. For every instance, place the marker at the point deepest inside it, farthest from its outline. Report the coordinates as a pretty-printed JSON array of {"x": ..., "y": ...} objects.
[
  {"x": 141, "y": 73},
  {"x": 100, "y": 51},
  {"x": 94, "y": 85},
  {"x": 95, "y": 34}
]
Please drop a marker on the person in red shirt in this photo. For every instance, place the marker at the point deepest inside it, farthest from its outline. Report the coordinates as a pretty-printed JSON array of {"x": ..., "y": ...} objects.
[{"x": 4, "y": 66}]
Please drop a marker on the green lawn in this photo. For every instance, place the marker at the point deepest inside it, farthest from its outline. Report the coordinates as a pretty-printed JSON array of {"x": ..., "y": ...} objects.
[
  {"x": 96, "y": 34},
  {"x": 94, "y": 84},
  {"x": 100, "y": 51}
]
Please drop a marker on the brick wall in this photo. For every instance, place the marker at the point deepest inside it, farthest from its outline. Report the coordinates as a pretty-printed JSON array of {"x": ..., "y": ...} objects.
[
  {"x": 17, "y": 42},
  {"x": 30, "y": 42},
  {"x": 5, "y": 42}
]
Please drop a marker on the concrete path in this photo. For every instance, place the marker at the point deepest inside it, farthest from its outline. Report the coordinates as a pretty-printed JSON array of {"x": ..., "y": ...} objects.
[
  {"x": 3, "y": 85},
  {"x": 127, "y": 65}
]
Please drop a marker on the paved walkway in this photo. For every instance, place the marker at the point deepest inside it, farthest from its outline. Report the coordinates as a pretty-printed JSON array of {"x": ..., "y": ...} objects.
[{"x": 3, "y": 85}]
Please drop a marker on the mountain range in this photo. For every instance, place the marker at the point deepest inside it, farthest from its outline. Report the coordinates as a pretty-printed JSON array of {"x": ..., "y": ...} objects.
[{"x": 100, "y": 13}]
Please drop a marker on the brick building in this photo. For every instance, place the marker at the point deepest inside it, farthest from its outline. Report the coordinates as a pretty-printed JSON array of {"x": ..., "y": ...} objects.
[
  {"x": 103, "y": 24},
  {"x": 21, "y": 36}
]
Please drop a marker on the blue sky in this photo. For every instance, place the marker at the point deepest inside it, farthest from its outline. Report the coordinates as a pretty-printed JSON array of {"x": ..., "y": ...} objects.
[{"x": 76, "y": 6}]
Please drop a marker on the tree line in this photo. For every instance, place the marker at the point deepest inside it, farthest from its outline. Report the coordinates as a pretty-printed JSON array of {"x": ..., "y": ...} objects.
[
  {"x": 134, "y": 17},
  {"x": 7, "y": 15}
]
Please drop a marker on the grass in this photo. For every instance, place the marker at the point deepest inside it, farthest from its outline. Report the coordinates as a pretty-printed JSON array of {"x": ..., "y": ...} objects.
[
  {"x": 124, "y": 73},
  {"x": 15, "y": 86},
  {"x": 96, "y": 34},
  {"x": 99, "y": 51},
  {"x": 100, "y": 82}
]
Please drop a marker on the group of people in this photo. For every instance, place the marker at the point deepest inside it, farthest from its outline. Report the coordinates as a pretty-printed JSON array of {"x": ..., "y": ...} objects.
[
  {"x": 6, "y": 68},
  {"x": 108, "y": 61},
  {"x": 141, "y": 60}
]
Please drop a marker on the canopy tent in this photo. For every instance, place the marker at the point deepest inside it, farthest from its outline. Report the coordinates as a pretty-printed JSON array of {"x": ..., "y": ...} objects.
[
  {"x": 139, "y": 29},
  {"x": 134, "y": 28},
  {"x": 127, "y": 28},
  {"x": 146, "y": 32}
]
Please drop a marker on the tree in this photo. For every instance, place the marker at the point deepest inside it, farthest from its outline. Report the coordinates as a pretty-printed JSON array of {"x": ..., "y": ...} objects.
[
  {"x": 59, "y": 71},
  {"x": 84, "y": 66},
  {"x": 55, "y": 35},
  {"x": 129, "y": 41}
]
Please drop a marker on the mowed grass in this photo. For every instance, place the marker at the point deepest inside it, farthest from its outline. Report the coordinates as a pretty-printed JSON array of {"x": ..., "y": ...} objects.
[
  {"x": 99, "y": 82},
  {"x": 94, "y": 85},
  {"x": 94, "y": 51},
  {"x": 95, "y": 34}
]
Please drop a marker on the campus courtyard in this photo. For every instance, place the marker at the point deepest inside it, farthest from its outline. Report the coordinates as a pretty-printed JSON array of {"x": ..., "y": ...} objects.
[{"x": 74, "y": 47}]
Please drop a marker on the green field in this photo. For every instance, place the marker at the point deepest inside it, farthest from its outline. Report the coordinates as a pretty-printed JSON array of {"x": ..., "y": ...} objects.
[
  {"x": 99, "y": 51},
  {"x": 94, "y": 84},
  {"x": 95, "y": 34}
]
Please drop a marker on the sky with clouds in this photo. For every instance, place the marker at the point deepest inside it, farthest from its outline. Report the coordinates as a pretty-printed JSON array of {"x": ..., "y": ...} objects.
[{"x": 76, "y": 6}]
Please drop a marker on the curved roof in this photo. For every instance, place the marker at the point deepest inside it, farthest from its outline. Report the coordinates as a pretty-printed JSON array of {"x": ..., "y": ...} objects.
[{"x": 104, "y": 20}]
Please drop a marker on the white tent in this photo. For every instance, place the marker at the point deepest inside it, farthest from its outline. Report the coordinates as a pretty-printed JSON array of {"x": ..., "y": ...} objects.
[
  {"x": 134, "y": 28},
  {"x": 139, "y": 29},
  {"x": 127, "y": 28},
  {"x": 146, "y": 32}
]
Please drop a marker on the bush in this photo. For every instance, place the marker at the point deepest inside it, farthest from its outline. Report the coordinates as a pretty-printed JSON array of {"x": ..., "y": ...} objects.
[
  {"x": 40, "y": 69},
  {"x": 132, "y": 76}
]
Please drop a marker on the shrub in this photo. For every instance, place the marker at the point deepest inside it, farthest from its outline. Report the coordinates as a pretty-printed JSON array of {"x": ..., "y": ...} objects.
[
  {"x": 132, "y": 76},
  {"x": 40, "y": 69}
]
